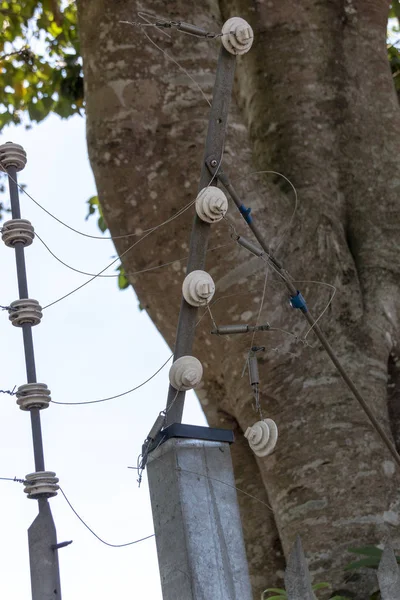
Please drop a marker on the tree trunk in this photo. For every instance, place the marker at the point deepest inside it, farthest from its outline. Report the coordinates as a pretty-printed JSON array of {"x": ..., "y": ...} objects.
[{"x": 314, "y": 101}]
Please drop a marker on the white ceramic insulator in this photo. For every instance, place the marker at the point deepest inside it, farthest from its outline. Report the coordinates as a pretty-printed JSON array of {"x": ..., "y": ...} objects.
[
  {"x": 17, "y": 231},
  {"x": 262, "y": 437},
  {"x": 198, "y": 288},
  {"x": 211, "y": 204},
  {"x": 12, "y": 155},
  {"x": 25, "y": 311},
  {"x": 237, "y": 36},
  {"x": 42, "y": 484},
  {"x": 33, "y": 395},
  {"x": 185, "y": 373}
]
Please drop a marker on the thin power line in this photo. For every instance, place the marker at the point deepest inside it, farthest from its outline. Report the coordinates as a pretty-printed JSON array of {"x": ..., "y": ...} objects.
[
  {"x": 94, "y": 237},
  {"x": 181, "y": 211},
  {"x": 118, "y": 257},
  {"x": 296, "y": 202},
  {"x": 169, "y": 57},
  {"x": 141, "y": 15},
  {"x": 326, "y": 307},
  {"x": 95, "y": 534},
  {"x": 117, "y": 395},
  {"x": 215, "y": 479},
  {"x": 10, "y": 392},
  {"x": 115, "y": 275},
  {"x": 261, "y": 304}
]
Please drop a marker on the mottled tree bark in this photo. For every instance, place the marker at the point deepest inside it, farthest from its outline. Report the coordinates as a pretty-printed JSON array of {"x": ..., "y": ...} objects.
[{"x": 315, "y": 101}]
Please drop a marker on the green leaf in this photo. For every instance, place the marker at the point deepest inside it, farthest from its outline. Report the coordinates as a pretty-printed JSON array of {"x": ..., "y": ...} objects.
[
  {"x": 282, "y": 594},
  {"x": 93, "y": 206},
  {"x": 102, "y": 224},
  {"x": 371, "y": 562},
  {"x": 394, "y": 10},
  {"x": 367, "y": 551},
  {"x": 321, "y": 586},
  {"x": 123, "y": 282},
  {"x": 54, "y": 29}
]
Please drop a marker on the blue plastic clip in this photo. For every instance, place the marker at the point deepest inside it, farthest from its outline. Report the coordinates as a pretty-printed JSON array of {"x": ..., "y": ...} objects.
[
  {"x": 246, "y": 213},
  {"x": 298, "y": 301}
]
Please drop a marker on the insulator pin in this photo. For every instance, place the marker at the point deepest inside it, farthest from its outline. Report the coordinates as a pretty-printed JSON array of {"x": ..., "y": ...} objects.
[
  {"x": 12, "y": 155},
  {"x": 237, "y": 36},
  {"x": 25, "y": 312},
  {"x": 262, "y": 437},
  {"x": 42, "y": 484},
  {"x": 211, "y": 204},
  {"x": 198, "y": 288},
  {"x": 33, "y": 395},
  {"x": 17, "y": 231},
  {"x": 185, "y": 373}
]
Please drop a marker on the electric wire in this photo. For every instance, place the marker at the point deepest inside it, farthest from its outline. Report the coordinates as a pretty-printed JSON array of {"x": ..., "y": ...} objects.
[
  {"x": 218, "y": 481},
  {"x": 170, "y": 58},
  {"x": 180, "y": 212},
  {"x": 118, "y": 258},
  {"x": 12, "y": 479},
  {"x": 146, "y": 270},
  {"x": 147, "y": 537},
  {"x": 257, "y": 319},
  {"x": 333, "y": 356},
  {"x": 211, "y": 316},
  {"x": 142, "y": 458},
  {"x": 326, "y": 307},
  {"x": 295, "y": 196},
  {"x": 10, "y": 392},
  {"x": 94, "y": 237},
  {"x": 117, "y": 395}
]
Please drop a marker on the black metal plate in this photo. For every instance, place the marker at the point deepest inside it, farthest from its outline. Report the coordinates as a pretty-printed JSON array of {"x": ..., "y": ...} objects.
[{"x": 195, "y": 432}]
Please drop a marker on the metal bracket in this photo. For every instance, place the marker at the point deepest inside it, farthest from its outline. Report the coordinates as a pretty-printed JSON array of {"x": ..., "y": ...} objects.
[
  {"x": 212, "y": 163},
  {"x": 180, "y": 430},
  {"x": 60, "y": 545}
]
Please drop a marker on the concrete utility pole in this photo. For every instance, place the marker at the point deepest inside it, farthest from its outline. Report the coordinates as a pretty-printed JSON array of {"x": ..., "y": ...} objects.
[
  {"x": 32, "y": 396},
  {"x": 196, "y": 516}
]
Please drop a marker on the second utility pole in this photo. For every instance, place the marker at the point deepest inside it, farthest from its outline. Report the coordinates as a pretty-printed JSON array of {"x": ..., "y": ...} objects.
[{"x": 32, "y": 396}]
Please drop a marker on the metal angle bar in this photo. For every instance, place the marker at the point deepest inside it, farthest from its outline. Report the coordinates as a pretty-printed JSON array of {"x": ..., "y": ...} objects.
[
  {"x": 200, "y": 231},
  {"x": 43, "y": 555}
]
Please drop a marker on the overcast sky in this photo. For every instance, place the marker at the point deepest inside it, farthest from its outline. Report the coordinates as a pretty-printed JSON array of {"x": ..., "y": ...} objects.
[{"x": 94, "y": 344}]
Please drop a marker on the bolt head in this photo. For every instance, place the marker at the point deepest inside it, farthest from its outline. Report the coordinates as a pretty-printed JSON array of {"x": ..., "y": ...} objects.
[
  {"x": 204, "y": 289},
  {"x": 243, "y": 33},
  {"x": 189, "y": 377},
  {"x": 213, "y": 163},
  {"x": 218, "y": 204}
]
